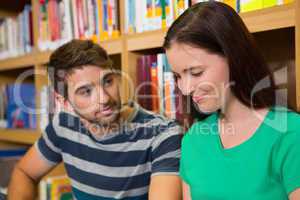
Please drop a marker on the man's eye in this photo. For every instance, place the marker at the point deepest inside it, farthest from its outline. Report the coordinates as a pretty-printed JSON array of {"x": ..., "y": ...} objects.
[
  {"x": 107, "y": 82},
  {"x": 85, "y": 92}
]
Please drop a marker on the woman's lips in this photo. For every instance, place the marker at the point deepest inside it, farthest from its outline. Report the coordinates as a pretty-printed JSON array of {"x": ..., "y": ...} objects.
[{"x": 198, "y": 99}]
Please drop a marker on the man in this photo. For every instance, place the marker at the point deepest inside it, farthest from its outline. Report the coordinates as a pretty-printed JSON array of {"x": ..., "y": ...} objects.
[{"x": 110, "y": 150}]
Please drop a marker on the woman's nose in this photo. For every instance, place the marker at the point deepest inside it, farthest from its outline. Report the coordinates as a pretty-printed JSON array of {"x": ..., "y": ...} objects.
[{"x": 186, "y": 86}]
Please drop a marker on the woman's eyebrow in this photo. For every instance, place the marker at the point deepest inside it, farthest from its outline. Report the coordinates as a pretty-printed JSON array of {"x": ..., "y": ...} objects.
[{"x": 191, "y": 68}]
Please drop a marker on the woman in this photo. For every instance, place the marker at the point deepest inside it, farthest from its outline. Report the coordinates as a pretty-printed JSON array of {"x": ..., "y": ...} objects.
[{"x": 247, "y": 147}]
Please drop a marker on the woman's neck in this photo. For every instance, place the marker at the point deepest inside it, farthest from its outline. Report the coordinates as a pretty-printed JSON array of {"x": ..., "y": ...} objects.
[{"x": 236, "y": 111}]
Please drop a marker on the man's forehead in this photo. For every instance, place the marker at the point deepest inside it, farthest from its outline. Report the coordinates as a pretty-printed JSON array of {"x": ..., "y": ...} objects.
[{"x": 86, "y": 77}]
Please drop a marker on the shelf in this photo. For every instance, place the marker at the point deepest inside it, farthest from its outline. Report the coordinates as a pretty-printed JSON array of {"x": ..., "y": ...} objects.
[
  {"x": 146, "y": 40},
  {"x": 19, "y": 136},
  {"x": 260, "y": 20},
  {"x": 276, "y": 17},
  {"x": 18, "y": 62},
  {"x": 111, "y": 46}
]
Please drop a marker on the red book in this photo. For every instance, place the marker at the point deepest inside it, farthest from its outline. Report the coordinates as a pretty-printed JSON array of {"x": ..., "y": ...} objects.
[
  {"x": 80, "y": 18},
  {"x": 143, "y": 88},
  {"x": 154, "y": 83}
]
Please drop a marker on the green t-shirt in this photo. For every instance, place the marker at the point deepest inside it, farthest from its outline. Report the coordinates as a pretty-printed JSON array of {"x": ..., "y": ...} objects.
[{"x": 264, "y": 167}]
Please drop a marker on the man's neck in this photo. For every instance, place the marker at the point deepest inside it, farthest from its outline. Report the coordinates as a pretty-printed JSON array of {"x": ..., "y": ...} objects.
[{"x": 125, "y": 117}]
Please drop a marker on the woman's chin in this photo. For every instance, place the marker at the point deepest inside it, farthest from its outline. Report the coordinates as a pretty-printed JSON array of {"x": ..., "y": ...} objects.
[{"x": 206, "y": 108}]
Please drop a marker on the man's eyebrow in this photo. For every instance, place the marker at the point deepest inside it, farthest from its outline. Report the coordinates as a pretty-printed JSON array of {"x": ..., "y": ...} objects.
[
  {"x": 108, "y": 74},
  {"x": 83, "y": 87}
]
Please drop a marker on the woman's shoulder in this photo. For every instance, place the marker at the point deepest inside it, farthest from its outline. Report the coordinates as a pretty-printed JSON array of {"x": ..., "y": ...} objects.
[{"x": 284, "y": 119}]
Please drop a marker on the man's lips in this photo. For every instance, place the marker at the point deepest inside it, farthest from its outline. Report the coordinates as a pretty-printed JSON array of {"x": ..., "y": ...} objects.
[{"x": 106, "y": 111}]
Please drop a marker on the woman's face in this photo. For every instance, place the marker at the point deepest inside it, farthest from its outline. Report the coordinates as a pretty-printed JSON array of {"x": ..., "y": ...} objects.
[{"x": 203, "y": 75}]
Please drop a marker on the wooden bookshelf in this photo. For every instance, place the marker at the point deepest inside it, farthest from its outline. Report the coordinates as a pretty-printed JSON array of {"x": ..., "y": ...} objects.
[
  {"x": 147, "y": 40},
  {"x": 260, "y": 20},
  {"x": 18, "y": 62},
  {"x": 276, "y": 17},
  {"x": 112, "y": 47},
  {"x": 22, "y": 136},
  {"x": 128, "y": 47}
]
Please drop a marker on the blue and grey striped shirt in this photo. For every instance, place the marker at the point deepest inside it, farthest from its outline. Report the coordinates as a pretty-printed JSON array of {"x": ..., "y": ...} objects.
[{"x": 117, "y": 165}]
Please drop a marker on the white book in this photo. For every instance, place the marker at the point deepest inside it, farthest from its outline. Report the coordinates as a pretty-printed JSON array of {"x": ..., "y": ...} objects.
[
  {"x": 157, "y": 20},
  {"x": 160, "y": 77},
  {"x": 91, "y": 19},
  {"x": 144, "y": 17},
  {"x": 126, "y": 20},
  {"x": 139, "y": 16},
  {"x": 171, "y": 14},
  {"x": 67, "y": 34},
  {"x": 10, "y": 38},
  {"x": 44, "y": 106}
]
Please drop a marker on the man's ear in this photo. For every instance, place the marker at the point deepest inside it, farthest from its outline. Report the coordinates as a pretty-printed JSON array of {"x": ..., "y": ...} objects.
[{"x": 62, "y": 104}]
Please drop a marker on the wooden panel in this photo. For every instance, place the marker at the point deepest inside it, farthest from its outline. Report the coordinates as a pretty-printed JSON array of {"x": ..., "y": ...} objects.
[
  {"x": 270, "y": 18},
  {"x": 256, "y": 21},
  {"x": 22, "y": 136},
  {"x": 147, "y": 40},
  {"x": 297, "y": 41},
  {"x": 5, "y": 13},
  {"x": 18, "y": 62},
  {"x": 9, "y": 145},
  {"x": 35, "y": 21},
  {"x": 280, "y": 56},
  {"x": 112, "y": 46}
]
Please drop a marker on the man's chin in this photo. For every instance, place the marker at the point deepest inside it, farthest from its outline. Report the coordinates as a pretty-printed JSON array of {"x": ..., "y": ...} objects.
[{"x": 108, "y": 120}]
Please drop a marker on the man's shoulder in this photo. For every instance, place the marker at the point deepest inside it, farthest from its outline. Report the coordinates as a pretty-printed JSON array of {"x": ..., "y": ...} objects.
[
  {"x": 65, "y": 121},
  {"x": 154, "y": 125},
  {"x": 151, "y": 119}
]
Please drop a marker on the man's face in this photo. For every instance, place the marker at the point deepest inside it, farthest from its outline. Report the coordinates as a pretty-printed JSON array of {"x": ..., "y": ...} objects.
[{"x": 93, "y": 93}]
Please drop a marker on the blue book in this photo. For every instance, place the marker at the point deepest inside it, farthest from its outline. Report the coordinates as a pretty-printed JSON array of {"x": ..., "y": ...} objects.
[{"x": 21, "y": 112}]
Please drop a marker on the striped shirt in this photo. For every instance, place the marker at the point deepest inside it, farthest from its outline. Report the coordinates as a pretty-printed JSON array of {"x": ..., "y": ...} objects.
[{"x": 117, "y": 165}]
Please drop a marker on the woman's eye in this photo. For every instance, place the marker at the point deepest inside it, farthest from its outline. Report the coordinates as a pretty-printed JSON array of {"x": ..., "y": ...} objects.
[
  {"x": 176, "y": 77},
  {"x": 196, "y": 73}
]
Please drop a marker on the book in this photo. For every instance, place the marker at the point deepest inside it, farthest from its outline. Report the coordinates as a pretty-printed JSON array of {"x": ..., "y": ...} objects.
[
  {"x": 154, "y": 83},
  {"x": 16, "y": 34},
  {"x": 3, "y": 106},
  {"x": 56, "y": 188},
  {"x": 21, "y": 112},
  {"x": 143, "y": 89},
  {"x": 63, "y": 20},
  {"x": 250, "y": 5}
]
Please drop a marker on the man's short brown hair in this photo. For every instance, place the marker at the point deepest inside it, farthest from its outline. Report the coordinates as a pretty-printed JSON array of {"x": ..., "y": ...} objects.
[{"x": 73, "y": 55}]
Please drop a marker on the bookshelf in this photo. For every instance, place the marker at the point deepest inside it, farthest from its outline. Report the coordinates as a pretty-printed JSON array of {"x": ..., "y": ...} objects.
[
  {"x": 270, "y": 18},
  {"x": 19, "y": 136},
  {"x": 128, "y": 47},
  {"x": 277, "y": 30}
]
